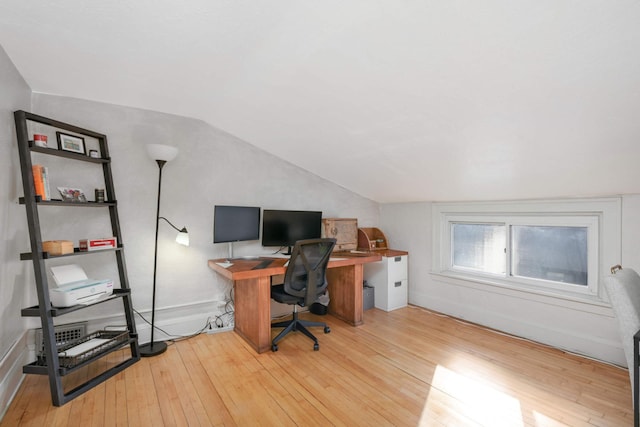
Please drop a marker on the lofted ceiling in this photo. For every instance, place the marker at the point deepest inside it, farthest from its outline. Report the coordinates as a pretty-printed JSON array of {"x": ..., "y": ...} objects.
[{"x": 397, "y": 100}]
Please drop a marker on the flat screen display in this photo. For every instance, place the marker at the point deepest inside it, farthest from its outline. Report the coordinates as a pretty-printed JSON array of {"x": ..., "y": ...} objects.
[
  {"x": 235, "y": 223},
  {"x": 285, "y": 228}
]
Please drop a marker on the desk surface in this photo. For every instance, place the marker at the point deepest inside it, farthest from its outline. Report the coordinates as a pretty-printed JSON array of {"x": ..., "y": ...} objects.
[{"x": 246, "y": 268}]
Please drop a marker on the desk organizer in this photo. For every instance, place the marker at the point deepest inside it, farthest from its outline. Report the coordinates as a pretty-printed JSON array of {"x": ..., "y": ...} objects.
[{"x": 371, "y": 239}]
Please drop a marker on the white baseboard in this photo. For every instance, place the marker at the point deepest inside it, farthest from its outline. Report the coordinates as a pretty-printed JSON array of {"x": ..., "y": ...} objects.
[
  {"x": 11, "y": 375},
  {"x": 598, "y": 344},
  {"x": 215, "y": 330}
]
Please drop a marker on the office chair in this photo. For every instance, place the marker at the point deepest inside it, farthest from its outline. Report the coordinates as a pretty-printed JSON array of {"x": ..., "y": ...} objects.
[
  {"x": 623, "y": 289},
  {"x": 304, "y": 281}
]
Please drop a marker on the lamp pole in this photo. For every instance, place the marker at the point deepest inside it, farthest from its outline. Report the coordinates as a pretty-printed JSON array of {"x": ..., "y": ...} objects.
[{"x": 153, "y": 348}]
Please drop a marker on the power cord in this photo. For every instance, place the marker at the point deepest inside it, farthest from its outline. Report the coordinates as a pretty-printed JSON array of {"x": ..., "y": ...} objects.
[
  {"x": 217, "y": 322},
  {"x": 280, "y": 250},
  {"x": 229, "y": 311},
  {"x": 175, "y": 338}
]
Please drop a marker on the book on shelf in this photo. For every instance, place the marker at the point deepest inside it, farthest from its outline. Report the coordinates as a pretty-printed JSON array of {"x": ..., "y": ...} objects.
[
  {"x": 41, "y": 181},
  {"x": 45, "y": 182}
]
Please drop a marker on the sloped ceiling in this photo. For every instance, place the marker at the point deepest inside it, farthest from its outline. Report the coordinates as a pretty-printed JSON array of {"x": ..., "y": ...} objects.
[{"x": 395, "y": 100}]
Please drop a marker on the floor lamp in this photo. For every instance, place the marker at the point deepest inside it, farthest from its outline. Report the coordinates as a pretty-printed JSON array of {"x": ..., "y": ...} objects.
[{"x": 161, "y": 154}]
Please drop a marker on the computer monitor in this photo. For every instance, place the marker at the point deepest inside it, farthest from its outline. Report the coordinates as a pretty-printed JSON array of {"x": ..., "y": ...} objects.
[
  {"x": 284, "y": 228},
  {"x": 235, "y": 224}
]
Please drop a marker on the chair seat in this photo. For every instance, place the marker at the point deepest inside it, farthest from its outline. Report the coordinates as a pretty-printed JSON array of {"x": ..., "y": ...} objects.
[{"x": 278, "y": 294}]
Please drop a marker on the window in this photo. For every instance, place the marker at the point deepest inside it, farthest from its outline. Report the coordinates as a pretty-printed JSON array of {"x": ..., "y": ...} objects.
[
  {"x": 551, "y": 247},
  {"x": 479, "y": 247},
  {"x": 553, "y": 253},
  {"x": 558, "y": 254}
]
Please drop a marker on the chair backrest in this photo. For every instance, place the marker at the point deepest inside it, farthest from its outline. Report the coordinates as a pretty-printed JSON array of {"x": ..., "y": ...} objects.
[{"x": 306, "y": 273}]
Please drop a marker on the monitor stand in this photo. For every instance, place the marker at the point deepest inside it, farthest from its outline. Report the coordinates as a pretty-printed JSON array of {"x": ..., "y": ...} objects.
[{"x": 230, "y": 256}]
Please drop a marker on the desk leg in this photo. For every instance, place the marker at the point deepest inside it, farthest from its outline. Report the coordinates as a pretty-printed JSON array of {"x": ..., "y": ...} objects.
[
  {"x": 253, "y": 312},
  {"x": 345, "y": 293}
]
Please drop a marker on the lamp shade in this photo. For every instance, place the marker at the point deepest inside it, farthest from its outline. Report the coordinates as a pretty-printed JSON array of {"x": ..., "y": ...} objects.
[
  {"x": 162, "y": 152},
  {"x": 183, "y": 237}
]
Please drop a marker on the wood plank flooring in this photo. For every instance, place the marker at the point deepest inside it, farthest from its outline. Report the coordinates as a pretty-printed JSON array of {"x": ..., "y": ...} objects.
[{"x": 409, "y": 367}]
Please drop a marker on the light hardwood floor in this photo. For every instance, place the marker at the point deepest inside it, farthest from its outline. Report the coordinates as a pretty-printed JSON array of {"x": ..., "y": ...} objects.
[{"x": 408, "y": 367}]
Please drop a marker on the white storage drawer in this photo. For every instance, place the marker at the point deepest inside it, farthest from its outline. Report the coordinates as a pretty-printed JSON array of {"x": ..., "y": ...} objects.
[
  {"x": 397, "y": 296},
  {"x": 397, "y": 267},
  {"x": 390, "y": 279}
]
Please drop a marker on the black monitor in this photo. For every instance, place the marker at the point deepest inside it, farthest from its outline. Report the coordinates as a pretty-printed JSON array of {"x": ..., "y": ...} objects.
[
  {"x": 235, "y": 223},
  {"x": 284, "y": 228}
]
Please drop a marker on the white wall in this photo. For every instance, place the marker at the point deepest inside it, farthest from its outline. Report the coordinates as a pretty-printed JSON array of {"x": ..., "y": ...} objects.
[
  {"x": 212, "y": 167},
  {"x": 568, "y": 326},
  {"x": 13, "y": 225}
]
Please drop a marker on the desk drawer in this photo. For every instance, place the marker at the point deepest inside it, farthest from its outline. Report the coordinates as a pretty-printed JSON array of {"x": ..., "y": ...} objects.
[
  {"x": 397, "y": 267},
  {"x": 398, "y": 294}
]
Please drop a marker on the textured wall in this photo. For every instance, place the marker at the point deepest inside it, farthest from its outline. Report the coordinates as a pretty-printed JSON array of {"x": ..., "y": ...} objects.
[
  {"x": 13, "y": 224},
  {"x": 14, "y": 274}
]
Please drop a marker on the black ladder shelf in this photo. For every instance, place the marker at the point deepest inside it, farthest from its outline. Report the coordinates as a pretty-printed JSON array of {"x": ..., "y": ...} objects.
[{"x": 50, "y": 364}]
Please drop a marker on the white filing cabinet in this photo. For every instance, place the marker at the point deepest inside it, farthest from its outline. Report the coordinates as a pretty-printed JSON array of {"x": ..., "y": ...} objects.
[{"x": 390, "y": 278}]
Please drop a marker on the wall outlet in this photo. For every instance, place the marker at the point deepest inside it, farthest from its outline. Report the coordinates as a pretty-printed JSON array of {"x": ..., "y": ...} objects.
[{"x": 215, "y": 330}]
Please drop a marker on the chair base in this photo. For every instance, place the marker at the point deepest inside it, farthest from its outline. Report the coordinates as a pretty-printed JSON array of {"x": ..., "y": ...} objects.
[{"x": 296, "y": 324}]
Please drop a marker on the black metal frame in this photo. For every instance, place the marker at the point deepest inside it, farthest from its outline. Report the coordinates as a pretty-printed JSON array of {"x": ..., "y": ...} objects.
[{"x": 44, "y": 310}]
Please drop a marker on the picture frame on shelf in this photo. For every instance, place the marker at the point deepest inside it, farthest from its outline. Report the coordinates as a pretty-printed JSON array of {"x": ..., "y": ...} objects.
[
  {"x": 70, "y": 194},
  {"x": 72, "y": 143}
]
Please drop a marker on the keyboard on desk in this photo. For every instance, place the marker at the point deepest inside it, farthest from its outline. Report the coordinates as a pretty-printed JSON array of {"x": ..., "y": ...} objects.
[{"x": 263, "y": 264}]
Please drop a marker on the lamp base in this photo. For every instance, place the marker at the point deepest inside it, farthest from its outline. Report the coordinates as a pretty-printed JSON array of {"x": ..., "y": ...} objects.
[{"x": 153, "y": 349}]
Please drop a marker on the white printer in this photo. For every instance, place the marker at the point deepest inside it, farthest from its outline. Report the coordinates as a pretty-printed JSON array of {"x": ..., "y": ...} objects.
[{"x": 75, "y": 288}]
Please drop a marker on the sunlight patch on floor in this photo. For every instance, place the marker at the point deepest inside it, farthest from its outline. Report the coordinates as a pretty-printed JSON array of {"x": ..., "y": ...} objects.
[
  {"x": 476, "y": 401},
  {"x": 542, "y": 420}
]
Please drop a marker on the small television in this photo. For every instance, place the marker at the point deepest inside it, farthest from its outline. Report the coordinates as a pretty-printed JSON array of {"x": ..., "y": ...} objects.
[
  {"x": 235, "y": 223},
  {"x": 284, "y": 228}
]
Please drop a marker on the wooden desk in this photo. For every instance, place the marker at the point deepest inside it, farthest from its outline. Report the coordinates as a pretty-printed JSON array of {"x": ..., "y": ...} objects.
[{"x": 252, "y": 291}]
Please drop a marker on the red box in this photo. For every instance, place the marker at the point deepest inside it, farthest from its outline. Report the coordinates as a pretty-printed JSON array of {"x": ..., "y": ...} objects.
[{"x": 97, "y": 244}]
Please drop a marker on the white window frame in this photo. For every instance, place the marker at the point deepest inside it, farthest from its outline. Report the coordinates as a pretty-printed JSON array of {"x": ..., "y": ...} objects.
[{"x": 601, "y": 217}]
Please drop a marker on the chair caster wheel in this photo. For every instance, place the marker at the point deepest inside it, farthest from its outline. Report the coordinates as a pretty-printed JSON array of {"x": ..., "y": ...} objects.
[
  {"x": 274, "y": 347},
  {"x": 316, "y": 347},
  {"x": 327, "y": 329}
]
